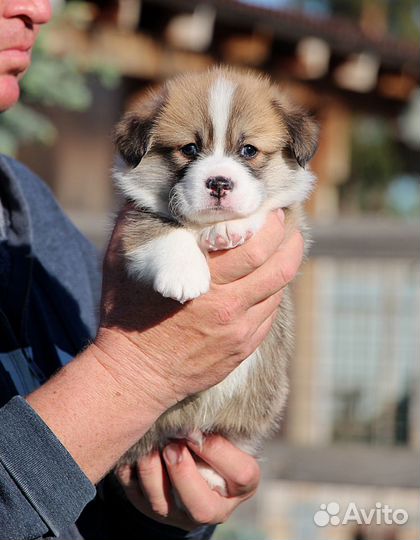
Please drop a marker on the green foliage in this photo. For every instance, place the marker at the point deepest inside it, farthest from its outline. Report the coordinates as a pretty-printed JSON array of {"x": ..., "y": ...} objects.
[
  {"x": 374, "y": 155},
  {"x": 21, "y": 125},
  {"x": 404, "y": 19},
  {"x": 374, "y": 164},
  {"x": 53, "y": 81},
  {"x": 403, "y": 16}
]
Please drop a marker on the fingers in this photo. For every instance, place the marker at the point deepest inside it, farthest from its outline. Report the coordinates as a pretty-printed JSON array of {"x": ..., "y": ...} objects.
[
  {"x": 125, "y": 475},
  {"x": 150, "y": 495},
  {"x": 274, "y": 275},
  {"x": 258, "y": 313},
  {"x": 113, "y": 251},
  {"x": 228, "y": 266},
  {"x": 203, "y": 505},
  {"x": 154, "y": 483},
  {"x": 262, "y": 332},
  {"x": 240, "y": 470}
]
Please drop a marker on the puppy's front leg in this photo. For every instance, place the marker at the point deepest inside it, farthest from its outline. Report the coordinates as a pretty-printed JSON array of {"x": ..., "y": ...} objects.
[
  {"x": 172, "y": 262},
  {"x": 229, "y": 234}
]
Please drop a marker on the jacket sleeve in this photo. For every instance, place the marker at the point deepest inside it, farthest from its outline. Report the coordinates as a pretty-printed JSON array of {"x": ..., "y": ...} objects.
[{"x": 42, "y": 489}]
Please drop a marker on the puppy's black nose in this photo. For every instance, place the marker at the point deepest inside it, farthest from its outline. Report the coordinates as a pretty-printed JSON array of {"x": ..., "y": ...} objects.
[{"x": 218, "y": 185}]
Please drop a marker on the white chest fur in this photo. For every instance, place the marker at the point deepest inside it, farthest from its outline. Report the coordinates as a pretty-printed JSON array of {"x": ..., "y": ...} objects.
[
  {"x": 238, "y": 378},
  {"x": 214, "y": 399}
]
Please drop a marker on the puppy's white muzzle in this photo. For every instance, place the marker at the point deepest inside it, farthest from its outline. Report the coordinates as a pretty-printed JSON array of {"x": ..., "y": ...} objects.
[{"x": 240, "y": 196}]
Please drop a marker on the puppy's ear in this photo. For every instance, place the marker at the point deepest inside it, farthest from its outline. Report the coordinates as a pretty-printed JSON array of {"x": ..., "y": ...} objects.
[
  {"x": 304, "y": 135},
  {"x": 133, "y": 134},
  {"x": 302, "y": 130}
]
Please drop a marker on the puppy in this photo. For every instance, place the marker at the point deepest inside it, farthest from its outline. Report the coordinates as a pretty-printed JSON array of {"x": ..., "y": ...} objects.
[{"x": 210, "y": 155}]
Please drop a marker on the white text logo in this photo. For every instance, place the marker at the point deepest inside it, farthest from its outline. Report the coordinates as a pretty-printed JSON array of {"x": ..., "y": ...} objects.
[{"x": 381, "y": 514}]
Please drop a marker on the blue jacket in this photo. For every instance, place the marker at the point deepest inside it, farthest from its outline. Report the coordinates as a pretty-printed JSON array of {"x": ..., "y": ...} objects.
[{"x": 49, "y": 293}]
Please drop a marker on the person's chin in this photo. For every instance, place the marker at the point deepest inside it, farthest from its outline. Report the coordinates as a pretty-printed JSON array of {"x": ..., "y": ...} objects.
[{"x": 9, "y": 91}]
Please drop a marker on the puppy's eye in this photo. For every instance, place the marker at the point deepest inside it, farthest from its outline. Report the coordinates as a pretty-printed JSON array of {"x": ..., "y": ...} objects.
[
  {"x": 248, "y": 151},
  {"x": 190, "y": 150}
]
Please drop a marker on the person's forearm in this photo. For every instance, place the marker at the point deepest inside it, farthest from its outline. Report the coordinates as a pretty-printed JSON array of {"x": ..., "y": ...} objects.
[{"x": 94, "y": 415}]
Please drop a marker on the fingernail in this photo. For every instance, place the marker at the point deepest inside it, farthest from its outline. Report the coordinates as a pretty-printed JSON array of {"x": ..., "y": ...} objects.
[
  {"x": 280, "y": 213},
  {"x": 196, "y": 438},
  {"x": 172, "y": 454}
]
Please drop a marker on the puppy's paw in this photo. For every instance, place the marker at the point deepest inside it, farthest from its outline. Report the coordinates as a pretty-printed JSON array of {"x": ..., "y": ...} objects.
[
  {"x": 224, "y": 235},
  {"x": 230, "y": 234},
  {"x": 186, "y": 277},
  {"x": 174, "y": 265},
  {"x": 213, "y": 479}
]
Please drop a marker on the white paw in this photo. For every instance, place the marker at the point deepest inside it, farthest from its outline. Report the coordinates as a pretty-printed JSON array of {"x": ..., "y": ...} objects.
[
  {"x": 229, "y": 234},
  {"x": 187, "y": 276},
  {"x": 173, "y": 264},
  {"x": 213, "y": 479}
]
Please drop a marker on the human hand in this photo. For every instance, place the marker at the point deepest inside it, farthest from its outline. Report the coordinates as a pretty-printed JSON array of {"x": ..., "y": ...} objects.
[
  {"x": 170, "y": 351},
  {"x": 149, "y": 484}
]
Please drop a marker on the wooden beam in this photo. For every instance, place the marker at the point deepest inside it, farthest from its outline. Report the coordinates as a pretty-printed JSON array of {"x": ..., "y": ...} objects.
[{"x": 131, "y": 54}]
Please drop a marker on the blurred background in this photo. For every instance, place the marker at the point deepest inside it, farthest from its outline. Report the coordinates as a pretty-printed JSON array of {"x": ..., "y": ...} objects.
[{"x": 351, "y": 433}]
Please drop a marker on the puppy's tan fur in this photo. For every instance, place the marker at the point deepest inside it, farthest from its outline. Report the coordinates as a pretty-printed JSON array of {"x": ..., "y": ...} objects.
[{"x": 244, "y": 409}]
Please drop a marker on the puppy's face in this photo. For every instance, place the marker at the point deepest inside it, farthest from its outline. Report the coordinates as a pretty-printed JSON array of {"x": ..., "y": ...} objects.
[{"x": 216, "y": 146}]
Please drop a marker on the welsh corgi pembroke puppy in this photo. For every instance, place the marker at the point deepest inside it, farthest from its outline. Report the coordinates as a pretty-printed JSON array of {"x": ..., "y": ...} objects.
[{"x": 209, "y": 155}]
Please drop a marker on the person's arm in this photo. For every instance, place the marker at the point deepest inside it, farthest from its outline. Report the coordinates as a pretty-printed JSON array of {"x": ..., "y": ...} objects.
[{"x": 42, "y": 489}]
